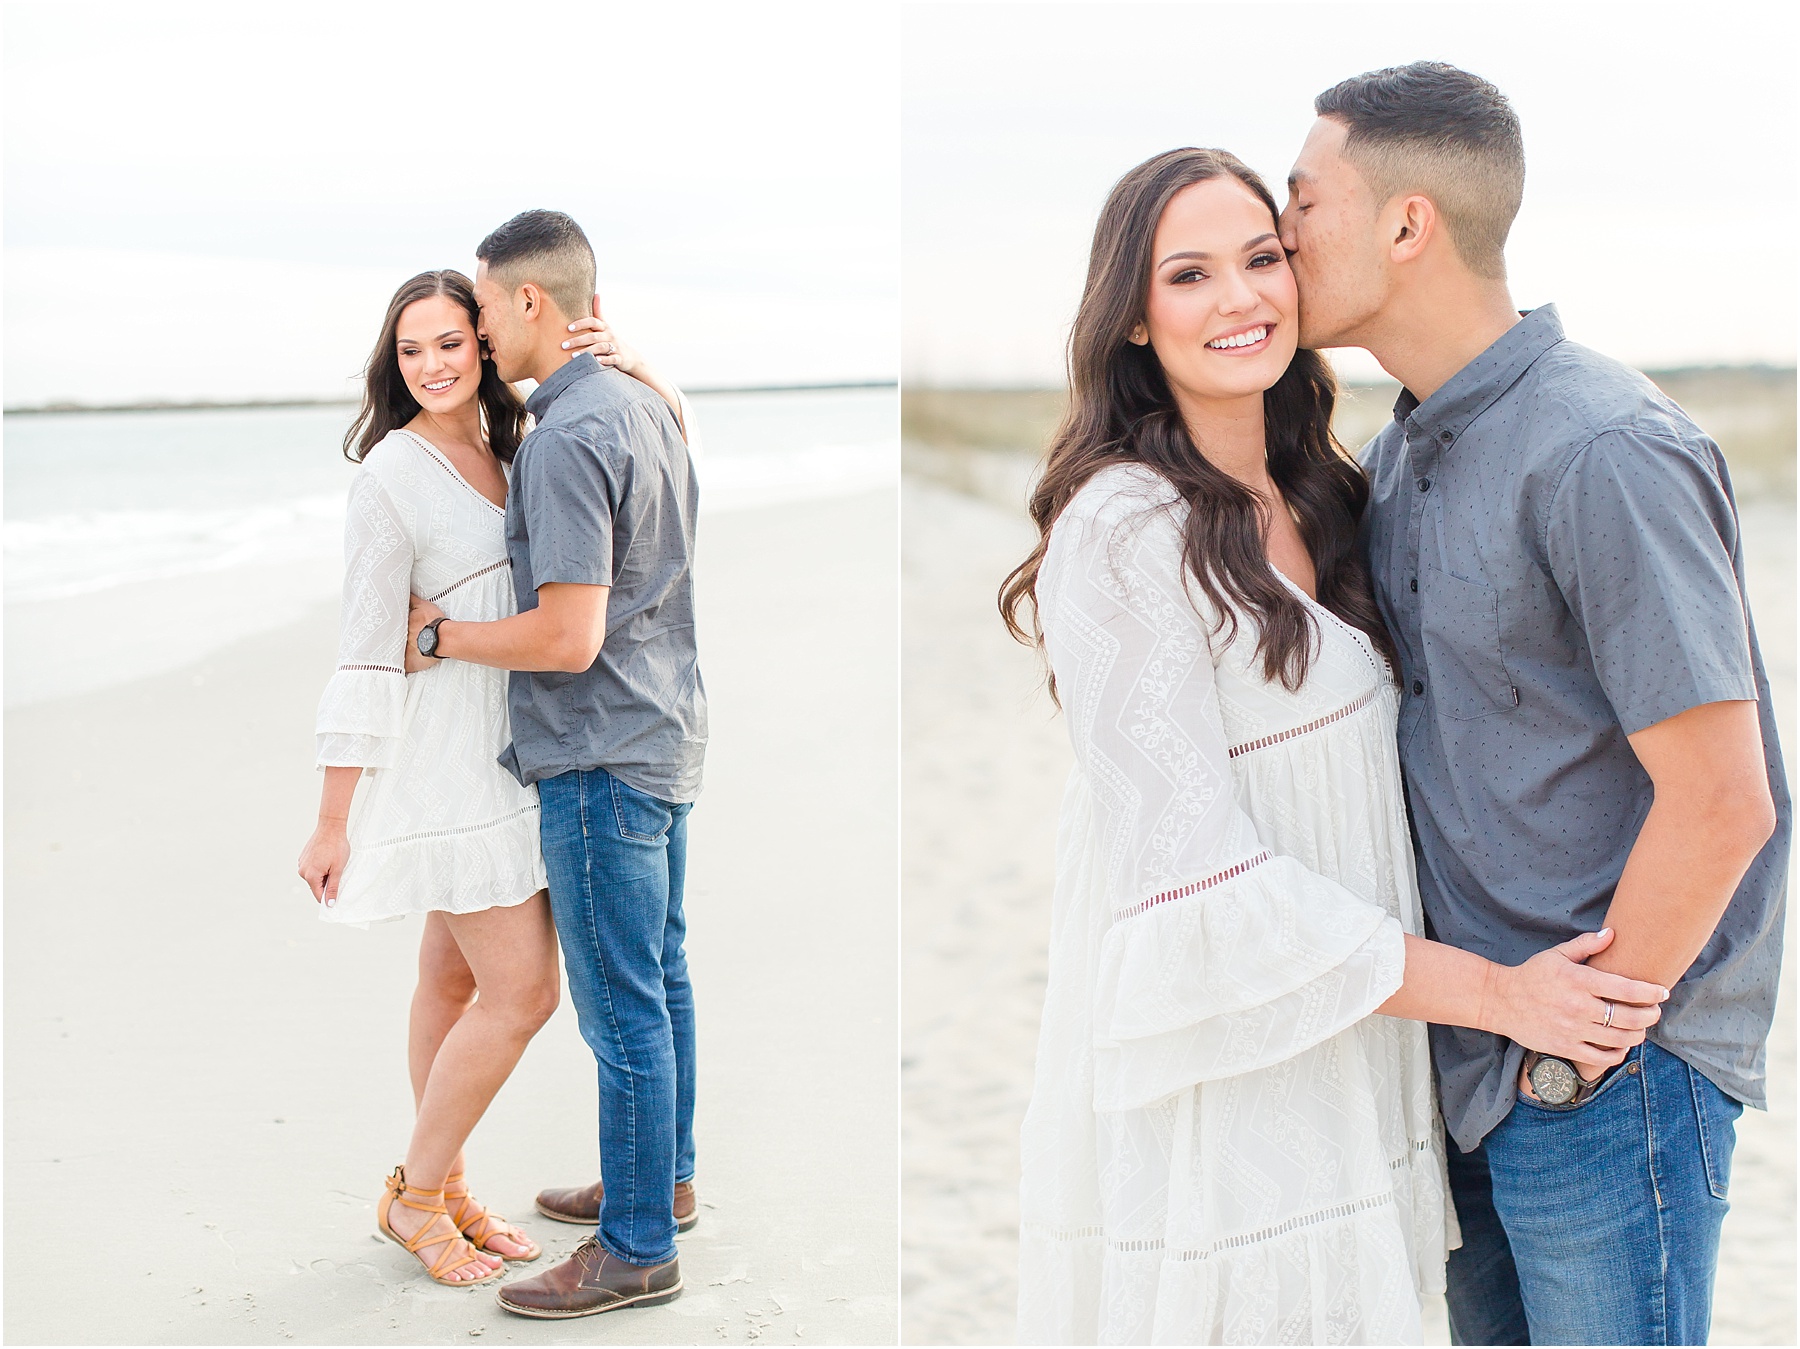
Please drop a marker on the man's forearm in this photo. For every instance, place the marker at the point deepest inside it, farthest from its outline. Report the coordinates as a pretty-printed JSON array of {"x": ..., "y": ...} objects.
[
  {"x": 1682, "y": 872},
  {"x": 528, "y": 641}
]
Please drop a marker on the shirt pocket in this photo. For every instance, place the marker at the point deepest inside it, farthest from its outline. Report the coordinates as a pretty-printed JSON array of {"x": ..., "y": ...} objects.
[{"x": 1459, "y": 624}]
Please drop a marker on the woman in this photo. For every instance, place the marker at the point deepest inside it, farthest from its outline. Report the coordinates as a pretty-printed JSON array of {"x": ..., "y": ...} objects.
[
  {"x": 438, "y": 828},
  {"x": 1223, "y": 1144}
]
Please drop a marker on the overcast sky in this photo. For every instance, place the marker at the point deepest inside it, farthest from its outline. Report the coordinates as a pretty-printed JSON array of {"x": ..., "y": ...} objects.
[
  {"x": 1659, "y": 196},
  {"x": 216, "y": 200}
]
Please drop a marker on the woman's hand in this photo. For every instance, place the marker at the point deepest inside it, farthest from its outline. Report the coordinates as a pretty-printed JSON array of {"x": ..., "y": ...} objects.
[
  {"x": 1555, "y": 1004},
  {"x": 323, "y": 858},
  {"x": 595, "y": 336}
]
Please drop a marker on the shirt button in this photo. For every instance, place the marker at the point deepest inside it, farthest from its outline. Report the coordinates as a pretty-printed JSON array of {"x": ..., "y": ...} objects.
[
  {"x": 1424, "y": 484},
  {"x": 1413, "y": 585},
  {"x": 1418, "y": 686},
  {"x": 1446, "y": 436}
]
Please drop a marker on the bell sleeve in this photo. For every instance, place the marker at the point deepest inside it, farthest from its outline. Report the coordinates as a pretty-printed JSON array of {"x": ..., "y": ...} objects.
[
  {"x": 1221, "y": 957},
  {"x": 361, "y": 711}
]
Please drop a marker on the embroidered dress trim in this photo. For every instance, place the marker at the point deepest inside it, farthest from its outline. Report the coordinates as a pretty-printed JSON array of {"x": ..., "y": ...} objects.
[
  {"x": 1140, "y": 1244},
  {"x": 450, "y": 468},
  {"x": 1416, "y": 1152},
  {"x": 1063, "y": 1233},
  {"x": 1317, "y": 723},
  {"x": 1313, "y": 1219},
  {"x": 457, "y": 585},
  {"x": 384, "y": 669},
  {"x": 447, "y": 833},
  {"x": 1194, "y": 888}
]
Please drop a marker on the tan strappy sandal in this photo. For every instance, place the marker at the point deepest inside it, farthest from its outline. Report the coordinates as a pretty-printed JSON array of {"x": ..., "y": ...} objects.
[
  {"x": 479, "y": 1225},
  {"x": 457, "y": 1252}
]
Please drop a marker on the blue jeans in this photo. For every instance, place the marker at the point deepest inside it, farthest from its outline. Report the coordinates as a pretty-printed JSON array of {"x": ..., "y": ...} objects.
[
  {"x": 1598, "y": 1223},
  {"x": 617, "y": 860}
]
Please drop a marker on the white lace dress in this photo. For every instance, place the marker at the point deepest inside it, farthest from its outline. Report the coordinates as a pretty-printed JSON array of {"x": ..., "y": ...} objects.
[
  {"x": 436, "y": 822},
  {"x": 1224, "y": 1145}
]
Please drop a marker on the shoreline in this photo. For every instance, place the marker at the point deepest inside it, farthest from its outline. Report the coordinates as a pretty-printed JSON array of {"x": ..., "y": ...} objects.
[
  {"x": 64, "y": 409},
  {"x": 187, "y": 609}
]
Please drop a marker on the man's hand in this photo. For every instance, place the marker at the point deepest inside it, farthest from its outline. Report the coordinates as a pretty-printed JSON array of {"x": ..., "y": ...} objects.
[{"x": 421, "y": 613}]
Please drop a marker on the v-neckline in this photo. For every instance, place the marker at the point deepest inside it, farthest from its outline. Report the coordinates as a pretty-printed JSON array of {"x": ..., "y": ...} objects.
[
  {"x": 1363, "y": 642},
  {"x": 450, "y": 468}
]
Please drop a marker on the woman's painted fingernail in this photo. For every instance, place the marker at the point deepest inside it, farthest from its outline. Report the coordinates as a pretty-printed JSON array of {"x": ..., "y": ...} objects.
[{"x": 565, "y": 346}]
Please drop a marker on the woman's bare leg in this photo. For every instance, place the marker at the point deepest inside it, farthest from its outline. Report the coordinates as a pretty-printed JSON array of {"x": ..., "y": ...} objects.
[
  {"x": 446, "y": 990},
  {"x": 510, "y": 955}
]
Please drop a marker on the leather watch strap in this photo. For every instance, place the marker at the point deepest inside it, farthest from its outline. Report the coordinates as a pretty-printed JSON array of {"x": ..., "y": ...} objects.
[{"x": 434, "y": 653}]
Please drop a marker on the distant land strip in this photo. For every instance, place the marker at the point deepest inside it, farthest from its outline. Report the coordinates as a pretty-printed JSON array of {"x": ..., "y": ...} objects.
[
  {"x": 51, "y": 409},
  {"x": 1752, "y": 370}
]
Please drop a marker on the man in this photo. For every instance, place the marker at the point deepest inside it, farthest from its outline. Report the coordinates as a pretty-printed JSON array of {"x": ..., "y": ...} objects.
[
  {"x": 1586, "y": 730},
  {"x": 609, "y": 720}
]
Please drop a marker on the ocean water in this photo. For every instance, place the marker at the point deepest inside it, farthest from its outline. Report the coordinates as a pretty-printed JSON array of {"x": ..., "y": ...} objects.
[
  {"x": 100, "y": 500},
  {"x": 139, "y": 542}
]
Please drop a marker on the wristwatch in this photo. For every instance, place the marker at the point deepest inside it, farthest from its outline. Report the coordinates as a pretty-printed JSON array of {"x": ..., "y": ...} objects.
[
  {"x": 428, "y": 638},
  {"x": 1555, "y": 1080}
]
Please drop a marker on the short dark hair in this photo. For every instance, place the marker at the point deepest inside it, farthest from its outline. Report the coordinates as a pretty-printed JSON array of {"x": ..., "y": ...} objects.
[
  {"x": 548, "y": 249},
  {"x": 1432, "y": 128}
]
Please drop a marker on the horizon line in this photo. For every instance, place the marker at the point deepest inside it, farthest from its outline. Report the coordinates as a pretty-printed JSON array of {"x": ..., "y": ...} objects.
[
  {"x": 1649, "y": 371},
  {"x": 62, "y": 407}
]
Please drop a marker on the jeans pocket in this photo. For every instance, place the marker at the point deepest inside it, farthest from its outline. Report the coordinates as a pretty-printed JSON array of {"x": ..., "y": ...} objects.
[
  {"x": 641, "y": 818},
  {"x": 1715, "y": 1113},
  {"x": 1459, "y": 624},
  {"x": 1608, "y": 1080}
]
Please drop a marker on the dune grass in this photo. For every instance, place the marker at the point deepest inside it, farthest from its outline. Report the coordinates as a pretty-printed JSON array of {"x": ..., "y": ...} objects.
[{"x": 1748, "y": 410}]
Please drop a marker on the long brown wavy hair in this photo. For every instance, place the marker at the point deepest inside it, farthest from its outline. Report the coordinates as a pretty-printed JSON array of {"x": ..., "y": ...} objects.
[
  {"x": 1121, "y": 411},
  {"x": 387, "y": 404}
]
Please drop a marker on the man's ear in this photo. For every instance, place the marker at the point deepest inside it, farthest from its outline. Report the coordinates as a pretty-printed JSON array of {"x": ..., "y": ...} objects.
[
  {"x": 534, "y": 302},
  {"x": 597, "y": 313},
  {"x": 1415, "y": 223}
]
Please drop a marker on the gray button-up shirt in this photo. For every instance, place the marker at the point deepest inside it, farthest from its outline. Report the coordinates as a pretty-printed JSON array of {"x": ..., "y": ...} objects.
[
  {"x": 603, "y": 493},
  {"x": 1555, "y": 549}
]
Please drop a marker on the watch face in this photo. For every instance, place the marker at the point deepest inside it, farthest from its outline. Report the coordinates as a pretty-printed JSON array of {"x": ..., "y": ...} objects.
[
  {"x": 1554, "y": 1081},
  {"x": 427, "y": 640}
]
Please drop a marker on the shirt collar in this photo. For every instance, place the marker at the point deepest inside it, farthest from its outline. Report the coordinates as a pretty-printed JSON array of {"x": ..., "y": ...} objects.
[
  {"x": 1472, "y": 390},
  {"x": 576, "y": 367}
]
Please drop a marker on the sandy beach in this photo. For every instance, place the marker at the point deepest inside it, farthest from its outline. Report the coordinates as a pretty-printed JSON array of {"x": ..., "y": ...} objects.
[
  {"x": 205, "y": 1085},
  {"x": 983, "y": 769}
]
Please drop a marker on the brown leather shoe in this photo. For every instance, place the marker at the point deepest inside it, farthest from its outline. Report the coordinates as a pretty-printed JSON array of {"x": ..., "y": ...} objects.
[
  {"x": 582, "y": 1205},
  {"x": 591, "y": 1281}
]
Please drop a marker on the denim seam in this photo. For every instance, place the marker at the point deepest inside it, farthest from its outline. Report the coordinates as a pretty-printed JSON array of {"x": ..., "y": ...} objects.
[
  {"x": 629, "y": 1255},
  {"x": 1706, "y": 1140},
  {"x": 1660, "y": 1301},
  {"x": 619, "y": 818}
]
